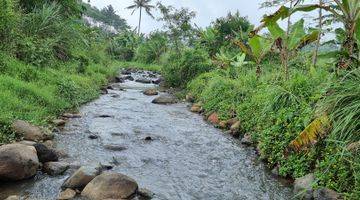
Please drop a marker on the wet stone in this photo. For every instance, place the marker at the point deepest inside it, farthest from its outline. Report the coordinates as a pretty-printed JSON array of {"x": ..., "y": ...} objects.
[{"x": 115, "y": 147}]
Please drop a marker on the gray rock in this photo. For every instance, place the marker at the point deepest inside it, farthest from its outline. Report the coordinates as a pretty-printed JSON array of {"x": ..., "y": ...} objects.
[
  {"x": 143, "y": 80},
  {"x": 115, "y": 147},
  {"x": 59, "y": 122},
  {"x": 45, "y": 154},
  {"x": 158, "y": 81},
  {"x": 110, "y": 185},
  {"x": 31, "y": 132},
  {"x": 55, "y": 168},
  {"x": 326, "y": 194},
  {"x": 247, "y": 140},
  {"x": 81, "y": 177},
  {"x": 145, "y": 193},
  {"x": 165, "y": 99},
  {"x": 67, "y": 194},
  {"x": 17, "y": 162},
  {"x": 303, "y": 186}
]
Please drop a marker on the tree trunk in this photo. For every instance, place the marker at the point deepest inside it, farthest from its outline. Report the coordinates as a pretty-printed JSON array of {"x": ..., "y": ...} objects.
[
  {"x": 140, "y": 21},
  {"x": 316, "y": 51}
]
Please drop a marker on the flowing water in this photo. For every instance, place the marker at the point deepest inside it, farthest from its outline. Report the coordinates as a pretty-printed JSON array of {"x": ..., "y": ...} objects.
[{"x": 187, "y": 158}]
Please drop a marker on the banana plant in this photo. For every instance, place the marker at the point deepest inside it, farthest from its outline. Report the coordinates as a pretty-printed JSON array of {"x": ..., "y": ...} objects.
[
  {"x": 345, "y": 11},
  {"x": 257, "y": 48},
  {"x": 287, "y": 43}
]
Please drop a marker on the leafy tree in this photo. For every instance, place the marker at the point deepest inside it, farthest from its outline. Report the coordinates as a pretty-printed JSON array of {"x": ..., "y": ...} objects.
[
  {"x": 178, "y": 24},
  {"x": 142, "y": 4},
  {"x": 152, "y": 48},
  {"x": 224, "y": 30},
  {"x": 112, "y": 19}
]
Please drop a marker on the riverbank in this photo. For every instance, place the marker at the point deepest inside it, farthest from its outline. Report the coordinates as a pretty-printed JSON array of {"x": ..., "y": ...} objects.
[{"x": 40, "y": 95}]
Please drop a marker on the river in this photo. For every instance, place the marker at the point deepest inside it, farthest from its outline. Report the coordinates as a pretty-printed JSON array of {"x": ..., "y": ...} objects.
[{"x": 186, "y": 159}]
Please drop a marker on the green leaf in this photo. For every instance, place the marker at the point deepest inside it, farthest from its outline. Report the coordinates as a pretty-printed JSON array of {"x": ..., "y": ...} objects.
[
  {"x": 275, "y": 30},
  {"x": 304, "y": 8},
  {"x": 296, "y": 34},
  {"x": 260, "y": 46},
  {"x": 281, "y": 13}
]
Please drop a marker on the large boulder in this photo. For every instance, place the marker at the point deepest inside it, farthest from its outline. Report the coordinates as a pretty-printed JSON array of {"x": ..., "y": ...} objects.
[
  {"x": 110, "y": 185},
  {"x": 303, "y": 186},
  {"x": 45, "y": 153},
  {"x": 55, "y": 168},
  {"x": 326, "y": 194},
  {"x": 81, "y": 177},
  {"x": 165, "y": 99},
  {"x": 17, "y": 162},
  {"x": 31, "y": 132}
]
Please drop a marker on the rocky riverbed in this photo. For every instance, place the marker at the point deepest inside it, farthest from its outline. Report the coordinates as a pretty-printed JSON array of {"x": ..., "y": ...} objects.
[{"x": 139, "y": 138}]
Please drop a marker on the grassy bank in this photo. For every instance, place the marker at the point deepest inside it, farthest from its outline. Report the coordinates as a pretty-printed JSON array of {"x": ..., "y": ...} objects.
[{"x": 38, "y": 94}]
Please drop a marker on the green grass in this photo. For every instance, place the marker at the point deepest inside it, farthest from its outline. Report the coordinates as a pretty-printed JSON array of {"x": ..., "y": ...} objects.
[{"x": 39, "y": 95}]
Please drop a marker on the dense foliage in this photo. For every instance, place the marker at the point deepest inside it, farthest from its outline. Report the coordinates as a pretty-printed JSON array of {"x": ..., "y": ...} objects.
[{"x": 302, "y": 116}]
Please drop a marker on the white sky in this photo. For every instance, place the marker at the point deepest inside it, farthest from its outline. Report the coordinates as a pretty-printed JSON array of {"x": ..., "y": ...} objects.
[{"x": 206, "y": 11}]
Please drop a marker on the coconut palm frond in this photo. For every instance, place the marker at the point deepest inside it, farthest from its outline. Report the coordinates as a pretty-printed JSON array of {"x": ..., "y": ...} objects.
[{"x": 312, "y": 133}]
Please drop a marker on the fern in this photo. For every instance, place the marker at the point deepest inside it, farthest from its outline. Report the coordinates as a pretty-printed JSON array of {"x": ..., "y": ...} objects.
[{"x": 312, "y": 133}]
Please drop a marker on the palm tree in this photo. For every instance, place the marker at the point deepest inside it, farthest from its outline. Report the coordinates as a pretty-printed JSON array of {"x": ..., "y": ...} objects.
[{"x": 142, "y": 4}]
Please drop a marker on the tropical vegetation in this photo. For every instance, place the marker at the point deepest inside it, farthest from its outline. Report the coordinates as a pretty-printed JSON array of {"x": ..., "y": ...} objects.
[{"x": 295, "y": 92}]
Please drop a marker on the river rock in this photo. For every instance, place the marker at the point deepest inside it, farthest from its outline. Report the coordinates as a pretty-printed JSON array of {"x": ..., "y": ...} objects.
[
  {"x": 119, "y": 79},
  {"x": 13, "y": 197},
  {"x": 145, "y": 193},
  {"x": 196, "y": 108},
  {"x": 59, "y": 122},
  {"x": 55, "y": 168},
  {"x": 67, "y": 194},
  {"x": 235, "y": 128},
  {"x": 326, "y": 194},
  {"x": 115, "y": 147},
  {"x": 143, "y": 80},
  {"x": 190, "y": 98},
  {"x": 71, "y": 115},
  {"x": 130, "y": 78},
  {"x": 45, "y": 154},
  {"x": 110, "y": 185},
  {"x": 158, "y": 81},
  {"x": 214, "y": 118},
  {"x": 126, "y": 71},
  {"x": 165, "y": 99},
  {"x": 103, "y": 91},
  {"x": 81, "y": 177},
  {"x": 151, "y": 92},
  {"x": 31, "y": 132},
  {"x": 18, "y": 162},
  {"x": 247, "y": 140},
  {"x": 303, "y": 186}
]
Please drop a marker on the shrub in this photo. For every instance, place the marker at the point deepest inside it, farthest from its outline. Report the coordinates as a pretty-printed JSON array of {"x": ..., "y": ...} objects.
[
  {"x": 123, "y": 46},
  {"x": 179, "y": 68}
]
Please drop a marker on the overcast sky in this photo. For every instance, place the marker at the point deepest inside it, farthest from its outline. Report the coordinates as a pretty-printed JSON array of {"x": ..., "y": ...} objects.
[{"x": 206, "y": 10}]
